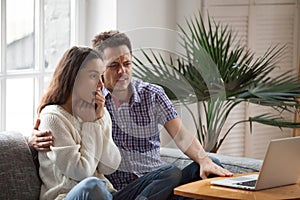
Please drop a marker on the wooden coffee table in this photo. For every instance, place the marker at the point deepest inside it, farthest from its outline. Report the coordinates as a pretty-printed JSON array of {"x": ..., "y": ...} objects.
[{"x": 204, "y": 190}]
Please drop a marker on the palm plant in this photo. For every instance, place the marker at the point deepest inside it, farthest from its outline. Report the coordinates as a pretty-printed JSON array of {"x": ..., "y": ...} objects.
[{"x": 219, "y": 75}]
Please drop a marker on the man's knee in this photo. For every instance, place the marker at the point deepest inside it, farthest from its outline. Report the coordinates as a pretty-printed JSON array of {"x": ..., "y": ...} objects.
[{"x": 173, "y": 173}]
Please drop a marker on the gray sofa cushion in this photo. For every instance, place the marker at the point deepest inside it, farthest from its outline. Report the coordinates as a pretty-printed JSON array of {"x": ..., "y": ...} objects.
[
  {"x": 239, "y": 165},
  {"x": 18, "y": 175},
  {"x": 232, "y": 163}
]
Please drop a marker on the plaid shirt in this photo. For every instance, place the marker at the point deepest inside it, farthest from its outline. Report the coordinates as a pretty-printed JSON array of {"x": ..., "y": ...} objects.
[{"x": 135, "y": 128}]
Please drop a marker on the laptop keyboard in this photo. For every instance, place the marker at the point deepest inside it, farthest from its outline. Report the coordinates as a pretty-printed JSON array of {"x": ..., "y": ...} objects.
[{"x": 248, "y": 183}]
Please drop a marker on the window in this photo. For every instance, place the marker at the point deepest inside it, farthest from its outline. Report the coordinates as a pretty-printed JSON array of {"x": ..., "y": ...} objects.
[{"x": 34, "y": 35}]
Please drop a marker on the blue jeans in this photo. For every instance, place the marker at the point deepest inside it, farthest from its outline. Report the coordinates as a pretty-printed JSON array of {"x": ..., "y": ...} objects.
[
  {"x": 89, "y": 189},
  {"x": 156, "y": 185}
]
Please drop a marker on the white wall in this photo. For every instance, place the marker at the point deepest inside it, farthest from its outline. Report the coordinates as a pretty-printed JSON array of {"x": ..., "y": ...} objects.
[
  {"x": 95, "y": 16},
  {"x": 154, "y": 23},
  {"x": 145, "y": 13}
]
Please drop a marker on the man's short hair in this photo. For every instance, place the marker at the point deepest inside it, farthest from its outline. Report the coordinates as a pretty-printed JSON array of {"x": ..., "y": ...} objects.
[{"x": 112, "y": 38}]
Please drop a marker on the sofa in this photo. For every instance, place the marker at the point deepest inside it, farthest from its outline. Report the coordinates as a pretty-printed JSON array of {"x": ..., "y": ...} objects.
[{"x": 19, "y": 177}]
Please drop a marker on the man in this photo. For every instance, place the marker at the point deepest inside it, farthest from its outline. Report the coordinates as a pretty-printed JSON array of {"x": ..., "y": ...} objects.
[{"x": 136, "y": 109}]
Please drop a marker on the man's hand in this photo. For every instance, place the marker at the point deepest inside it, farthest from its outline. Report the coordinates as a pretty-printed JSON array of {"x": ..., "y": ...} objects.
[
  {"x": 190, "y": 145},
  {"x": 207, "y": 167},
  {"x": 40, "y": 140}
]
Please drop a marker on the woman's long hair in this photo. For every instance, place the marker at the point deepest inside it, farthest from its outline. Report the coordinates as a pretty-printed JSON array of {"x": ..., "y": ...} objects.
[{"x": 64, "y": 76}]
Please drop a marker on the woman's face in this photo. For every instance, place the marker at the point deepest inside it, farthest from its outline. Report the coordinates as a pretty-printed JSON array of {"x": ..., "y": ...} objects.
[{"x": 88, "y": 80}]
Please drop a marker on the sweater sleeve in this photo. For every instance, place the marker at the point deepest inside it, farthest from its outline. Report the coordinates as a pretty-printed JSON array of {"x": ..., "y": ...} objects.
[
  {"x": 111, "y": 157},
  {"x": 76, "y": 160}
]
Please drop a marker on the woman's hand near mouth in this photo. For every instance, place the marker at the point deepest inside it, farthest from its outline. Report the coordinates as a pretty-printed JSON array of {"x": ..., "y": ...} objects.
[
  {"x": 99, "y": 104},
  {"x": 85, "y": 110}
]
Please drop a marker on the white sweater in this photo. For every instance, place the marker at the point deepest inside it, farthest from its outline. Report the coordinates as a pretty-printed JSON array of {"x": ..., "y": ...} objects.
[{"x": 80, "y": 150}]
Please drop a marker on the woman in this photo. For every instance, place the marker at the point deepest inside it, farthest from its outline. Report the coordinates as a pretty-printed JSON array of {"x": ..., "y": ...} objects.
[{"x": 73, "y": 110}]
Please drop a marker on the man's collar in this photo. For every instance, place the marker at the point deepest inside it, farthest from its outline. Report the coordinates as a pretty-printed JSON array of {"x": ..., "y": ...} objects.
[
  {"x": 135, "y": 96},
  {"x": 105, "y": 92}
]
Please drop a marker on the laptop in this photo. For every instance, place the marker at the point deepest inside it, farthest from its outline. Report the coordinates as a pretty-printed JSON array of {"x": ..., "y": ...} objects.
[{"x": 280, "y": 167}]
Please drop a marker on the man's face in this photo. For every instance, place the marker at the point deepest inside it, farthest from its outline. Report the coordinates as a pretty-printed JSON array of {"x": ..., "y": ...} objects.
[{"x": 118, "y": 74}]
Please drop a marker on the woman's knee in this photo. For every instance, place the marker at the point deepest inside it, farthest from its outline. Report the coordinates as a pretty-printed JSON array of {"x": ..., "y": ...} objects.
[
  {"x": 92, "y": 182},
  {"x": 89, "y": 188}
]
